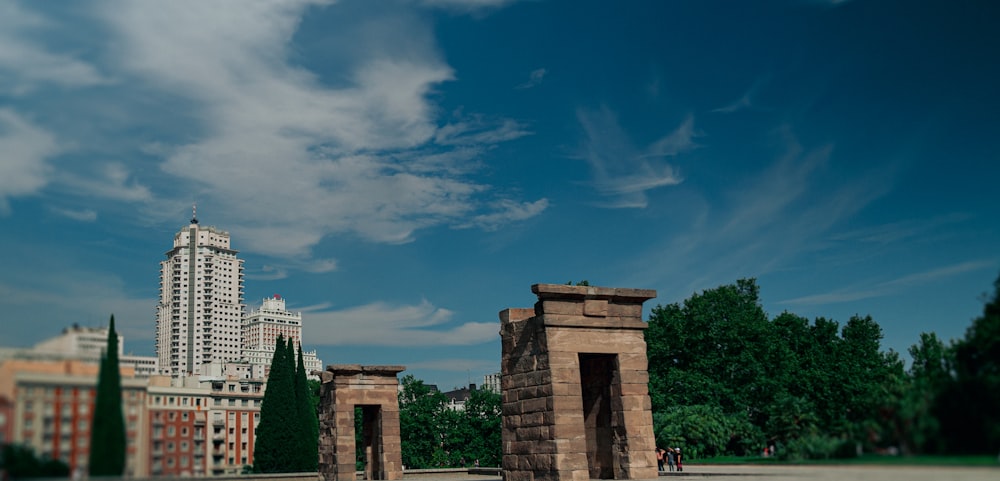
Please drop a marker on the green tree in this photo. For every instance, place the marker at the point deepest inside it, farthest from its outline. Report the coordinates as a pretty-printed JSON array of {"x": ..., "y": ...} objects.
[
  {"x": 277, "y": 433},
  {"x": 917, "y": 428},
  {"x": 484, "y": 417},
  {"x": 20, "y": 462},
  {"x": 967, "y": 407},
  {"x": 472, "y": 433},
  {"x": 107, "y": 432},
  {"x": 713, "y": 350},
  {"x": 419, "y": 424},
  {"x": 704, "y": 430},
  {"x": 744, "y": 379},
  {"x": 309, "y": 422}
]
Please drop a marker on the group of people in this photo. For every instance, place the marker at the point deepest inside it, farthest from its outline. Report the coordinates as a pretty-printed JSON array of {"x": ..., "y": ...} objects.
[{"x": 670, "y": 456}]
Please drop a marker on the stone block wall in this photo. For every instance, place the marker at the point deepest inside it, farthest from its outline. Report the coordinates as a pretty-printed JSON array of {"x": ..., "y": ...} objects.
[
  {"x": 374, "y": 389},
  {"x": 575, "y": 386}
]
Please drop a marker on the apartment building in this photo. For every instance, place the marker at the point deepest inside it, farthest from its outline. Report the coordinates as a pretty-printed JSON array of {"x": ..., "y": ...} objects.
[
  {"x": 261, "y": 328},
  {"x": 51, "y": 404},
  {"x": 199, "y": 314}
]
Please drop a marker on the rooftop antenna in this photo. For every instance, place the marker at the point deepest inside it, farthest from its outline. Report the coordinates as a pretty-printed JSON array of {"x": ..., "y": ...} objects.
[{"x": 194, "y": 213}]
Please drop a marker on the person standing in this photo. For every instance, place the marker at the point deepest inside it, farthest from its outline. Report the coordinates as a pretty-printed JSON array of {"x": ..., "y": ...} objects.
[
  {"x": 670, "y": 458},
  {"x": 678, "y": 457},
  {"x": 659, "y": 459}
]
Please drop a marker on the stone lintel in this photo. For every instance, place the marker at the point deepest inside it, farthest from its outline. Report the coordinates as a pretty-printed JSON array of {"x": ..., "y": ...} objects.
[
  {"x": 594, "y": 322},
  {"x": 612, "y": 294},
  {"x": 355, "y": 369}
]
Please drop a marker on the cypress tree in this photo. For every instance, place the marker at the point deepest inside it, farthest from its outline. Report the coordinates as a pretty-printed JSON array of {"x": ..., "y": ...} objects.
[
  {"x": 107, "y": 431},
  {"x": 309, "y": 427},
  {"x": 277, "y": 437}
]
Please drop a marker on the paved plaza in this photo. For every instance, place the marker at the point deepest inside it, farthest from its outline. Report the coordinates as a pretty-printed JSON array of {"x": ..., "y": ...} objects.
[
  {"x": 850, "y": 473},
  {"x": 791, "y": 473}
]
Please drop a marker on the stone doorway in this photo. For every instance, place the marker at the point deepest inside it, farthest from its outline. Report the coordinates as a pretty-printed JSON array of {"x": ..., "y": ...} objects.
[
  {"x": 368, "y": 392},
  {"x": 371, "y": 440},
  {"x": 596, "y": 374}
]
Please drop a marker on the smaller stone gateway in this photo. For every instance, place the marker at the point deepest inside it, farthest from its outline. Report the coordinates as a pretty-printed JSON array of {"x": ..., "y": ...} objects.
[
  {"x": 373, "y": 389},
  {"x": 575, "y": 386}
]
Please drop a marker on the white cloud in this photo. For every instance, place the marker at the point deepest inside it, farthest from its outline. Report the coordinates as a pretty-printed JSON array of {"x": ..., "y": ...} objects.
[
  {"x": 364, "y": 156},
  {"x": 26, "y": 64},
  {"x": 467, "y": 5},
  {"x": 475, "y": 130},
  {"x": 111, "y": 180},
  {"x": 893, "y": 286},
  {"x": 383, "y": 324},
  {"x": 534, "y": 79},
  {"x": 894, "y": 232},
  {"x": 740, "y": 104},
  {"x": 622, "y": 171},
  {"x": 85, "y": 215},
  {"x": 505, "y": 212},
  {"x": 746, "y": 101},
  {"x": 25, "y": 148},
  {"x": 767, "y": 221}
]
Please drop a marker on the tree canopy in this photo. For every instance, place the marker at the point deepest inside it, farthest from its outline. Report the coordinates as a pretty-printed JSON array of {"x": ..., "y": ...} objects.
[
  {"x": 725, "y": 378},
  {"x": 435, "y": 436}
]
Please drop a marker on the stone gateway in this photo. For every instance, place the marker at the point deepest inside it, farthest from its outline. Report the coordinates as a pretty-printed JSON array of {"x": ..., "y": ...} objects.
[
  {"x": 373, "y": 389},
  {"x": 575, "y": 386}
]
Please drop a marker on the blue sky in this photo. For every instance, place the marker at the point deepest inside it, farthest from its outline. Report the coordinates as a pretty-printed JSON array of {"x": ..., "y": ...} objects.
[{"x": 400, "y": 171}]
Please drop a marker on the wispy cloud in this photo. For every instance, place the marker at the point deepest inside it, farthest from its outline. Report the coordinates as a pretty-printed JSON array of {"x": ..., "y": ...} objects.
[
  {"x": 901, "y": 230},
  {"x": 110, "y": 181},
  {"x": 740, "y": 104},
  {"x": 506, "y": 211},
  {"x": 85, "y": 215},
  {"x": 891, "y": 287},
  {"x": 239, "y": 119},
  {"x": 467, "y": 5},
  {"x": 74, "y": 296},
  {"x": 383, "y": 324},
  {"x": 534, "y": 78},
  {"x": 25, "y": 60},
  {"x": 765, "y": 222},
  {"x": 25, "y": 148},
  {"x": 623, "y": 172},
  {"x": 744, "y": 102}
]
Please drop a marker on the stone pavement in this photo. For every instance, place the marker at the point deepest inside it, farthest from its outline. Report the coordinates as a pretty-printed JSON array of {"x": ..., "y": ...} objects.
[
  {"x": 789, "y": 473},
  {"x": 849, "y": 473}
]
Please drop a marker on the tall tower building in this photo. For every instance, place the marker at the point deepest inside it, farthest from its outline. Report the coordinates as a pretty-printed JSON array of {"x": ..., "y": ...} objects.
[
  {"x": 201, "y": 301},
  {"x": 261, "y": 328}
]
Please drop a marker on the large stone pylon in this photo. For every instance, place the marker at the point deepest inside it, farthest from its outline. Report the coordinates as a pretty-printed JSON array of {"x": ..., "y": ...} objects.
[
  {"x": 575, "y": 386},
  {"x": 374, "y": 390}
]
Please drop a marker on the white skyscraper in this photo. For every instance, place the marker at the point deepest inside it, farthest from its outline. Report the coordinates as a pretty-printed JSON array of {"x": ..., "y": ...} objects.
[
  {"x": 201, "y": 301},
  {"x": 261, "y": 328}
]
